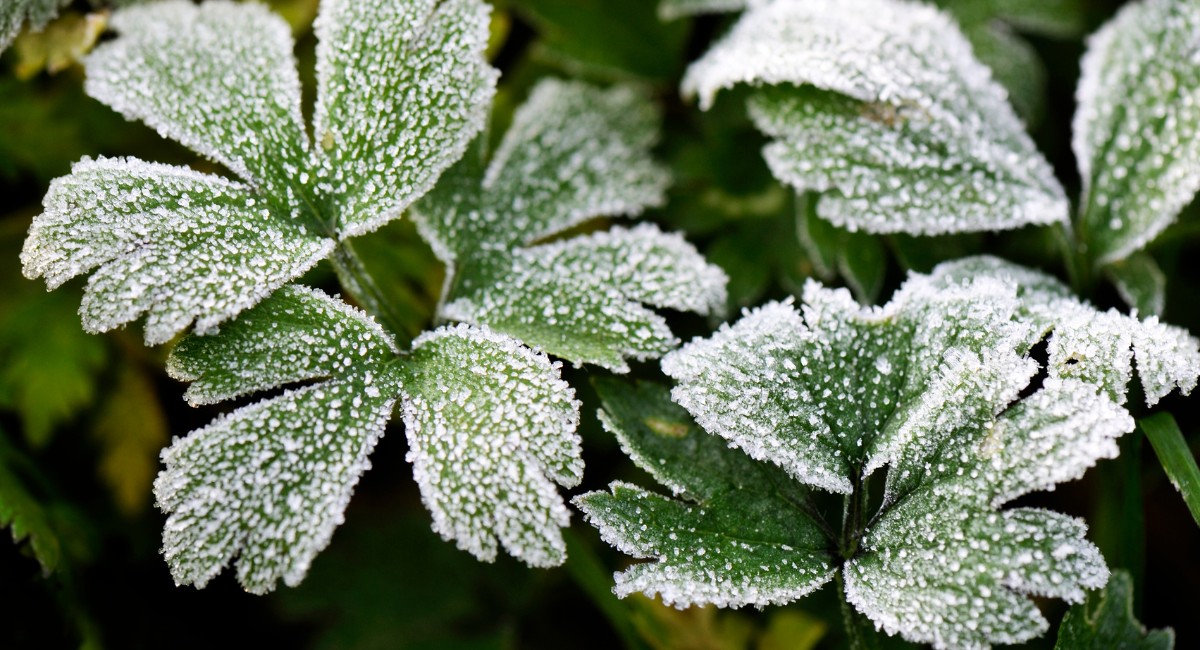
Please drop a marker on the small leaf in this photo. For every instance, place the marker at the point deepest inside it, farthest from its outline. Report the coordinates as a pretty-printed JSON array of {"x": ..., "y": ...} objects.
[
  {"x": 1106, "y": 620},
  {"x": 491, "y": 429},
  {"x": 61, "y": 44},
  {"x": 881, "y": 105},
  {"x": 24, "y": 515},
  {"x": 1176, "y": 458},
  {"x": 1141, "y": 283},
  {"x": 573, "y": 153},
  {"x": 1137, "y": 129},
  {"x": 742, "y": 535}
]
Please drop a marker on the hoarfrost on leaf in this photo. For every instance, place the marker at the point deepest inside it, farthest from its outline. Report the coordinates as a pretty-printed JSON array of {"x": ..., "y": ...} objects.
[
  {"x": 491, "y": 429},
  {"x": 14, "y": 13},
  {"x": 1137, "y": 130},
  {"x": 268, "y": 483},
  {"x": 221, "y": 79},
  {"x": 881, "y": 105},
  {"x": 930, "y": 387},
  {"x": 572, "y": 154}
]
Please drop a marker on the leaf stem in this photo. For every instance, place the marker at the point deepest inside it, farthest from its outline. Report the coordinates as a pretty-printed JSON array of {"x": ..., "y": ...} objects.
[
  {"x": 852, "y": 524},
  {"x": 354, "y": 277}
]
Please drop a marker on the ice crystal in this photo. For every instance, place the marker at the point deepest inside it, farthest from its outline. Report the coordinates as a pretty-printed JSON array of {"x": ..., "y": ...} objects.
[
  {"x": 881, "y": 105},
  {"x": 573, "y": 153},
  {"x": 402, "y": 89},
  {"x": 930, "y": 387},
  {"x": 490, "y": 426},
  {"x": 1137, "y": 129}
]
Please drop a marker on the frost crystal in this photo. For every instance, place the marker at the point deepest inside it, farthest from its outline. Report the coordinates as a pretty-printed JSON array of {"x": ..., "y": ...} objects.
[
  {"x": 1137, "y": 130},
  {"x": 221, "y": 79},
  {"x": 929, "y": 387},
  {"x": 489, "y": 422},
  {"x": 881, "y": 105},
  {"x": 573, "y": 153}
]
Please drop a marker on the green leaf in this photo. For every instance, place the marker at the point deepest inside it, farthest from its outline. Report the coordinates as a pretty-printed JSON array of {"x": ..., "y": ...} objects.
[
  {"x": 20, "y": 511},
  {"x": 1176, "y": 458},
  {"x": 936, "y": 387},
  {"x": 573, "y": 153},
  {"x": 268, "y": 483},
  {"x": 182, "y": 246},
  {"x": 489, "y": 423},
  {"x": 15, "y": 13},
  {"x": 1137, "y": 129},
  {"x": 131, "y": 429},
  {"x": 1106, "y": 620},
  {"x": 1141, "y": 283},
  {"x": 859, "y": 258},
  {"x": 881, "y": 105},
  {"x": 491, "y": 429},
  {"x": 740, "y": 536}
]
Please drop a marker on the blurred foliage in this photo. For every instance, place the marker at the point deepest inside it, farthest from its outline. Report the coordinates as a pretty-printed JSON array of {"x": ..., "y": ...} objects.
[{"x": 82, "y": 417}]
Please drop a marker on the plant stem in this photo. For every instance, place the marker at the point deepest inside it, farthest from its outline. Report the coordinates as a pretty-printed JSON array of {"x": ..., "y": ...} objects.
[
  {"x": 853, "y": 516},
  {"x": 359, "y": 283}
]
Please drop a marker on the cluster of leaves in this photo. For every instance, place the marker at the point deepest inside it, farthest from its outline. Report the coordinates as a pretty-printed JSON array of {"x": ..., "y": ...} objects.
[{"x": 887, "y": 120}]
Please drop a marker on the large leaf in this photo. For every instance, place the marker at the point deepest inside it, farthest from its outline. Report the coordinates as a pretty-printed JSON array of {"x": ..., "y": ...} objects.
[
  {"x": 573, "y": 153},
  {"x": 881, "y": 105},
  {"x": 221, "y": 79},
  {"x": 1137, "y": 129},
  {"x": 936, "y": 387},
  {"x": 488, "y": 421}
]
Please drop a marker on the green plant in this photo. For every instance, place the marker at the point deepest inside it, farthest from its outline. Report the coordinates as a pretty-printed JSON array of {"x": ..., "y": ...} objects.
[{"x": 894, "y": 451}]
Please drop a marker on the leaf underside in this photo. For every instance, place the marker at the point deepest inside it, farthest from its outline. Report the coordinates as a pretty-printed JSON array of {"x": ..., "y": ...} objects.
[{"x": 881, "y": 105}]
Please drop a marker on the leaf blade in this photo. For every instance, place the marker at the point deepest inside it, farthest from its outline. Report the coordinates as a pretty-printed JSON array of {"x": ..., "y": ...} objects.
[{"x": 1176, "y": 458}]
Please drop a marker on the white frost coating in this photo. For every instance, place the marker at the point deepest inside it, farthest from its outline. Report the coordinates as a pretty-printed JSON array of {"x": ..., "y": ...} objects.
[
  {"x": 298, "y": 334},
  {"x": 402, "y": 89},
  {"x": 267, "y": 484},
  {"x": 491, "y": 429},
  {"x": 675, "y": 9},
  {"x": 1136, "y": 134},
  {"x": 582, "y": 298},
  {"x": 1096, "y": 347},
  {"x": 573, "y": 153},
  {"x": 220, "y": 78},
  {"x": 14, "y": 13},
  {"x": 881, "y": 104},
  {"x": 929, "y": 386},
  {"x": 169, "y": 242}
]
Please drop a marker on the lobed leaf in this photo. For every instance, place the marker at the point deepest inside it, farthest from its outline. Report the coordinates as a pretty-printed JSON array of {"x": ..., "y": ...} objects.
[
  {"x": 1137, "y": 129},
  {"x": 881, "y": 105},
  {"x": 221, "y": 78},
  {"x": 742, "y": 535},
  {"x": 491, "y": 429},
  {"x": 573, "y": 153}
]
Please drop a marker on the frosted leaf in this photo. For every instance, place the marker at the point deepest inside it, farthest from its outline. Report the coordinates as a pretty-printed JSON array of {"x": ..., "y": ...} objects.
[
  {"x": 491, "y": 429},
  {"x": 220, "y": 78},
  {"x": 1137, "y": 129},
  {"x": 402, "y": 89},
  {"x": 675, "y": 9},
  {"x": 741, "y": 537},
  {"x": 166, "y": 241},
  {"x": 268, "y": 483},
  {"x": 1098, "y": 347},
  {"x": 14, "y": 13},
  {"x": 582, "y": 299},
  {"x": 929, "y": 387},
  {"x": 881, "y": 105},
  {"x": 573, "y": 153}
]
